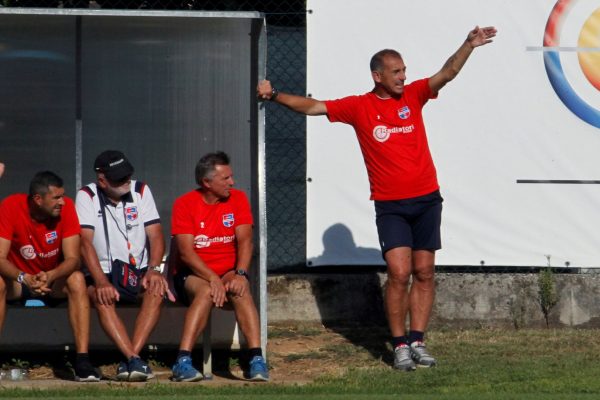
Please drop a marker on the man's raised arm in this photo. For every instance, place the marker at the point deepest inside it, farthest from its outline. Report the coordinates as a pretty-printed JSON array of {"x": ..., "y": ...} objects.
[
  {"x": 477, "y": 37},
  {"x": 300, "y": 104}
]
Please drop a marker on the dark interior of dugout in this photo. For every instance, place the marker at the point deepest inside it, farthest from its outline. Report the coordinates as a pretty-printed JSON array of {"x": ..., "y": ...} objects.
[{"x": 163, "y": 87}]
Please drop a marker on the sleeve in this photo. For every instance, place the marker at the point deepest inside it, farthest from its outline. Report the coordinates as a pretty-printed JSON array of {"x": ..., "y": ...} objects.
[
  {"x": 244, "y": 212},
  {"x": 6, "y": 221},
  {"x": 343, "y": 110},
  {"x": 181, "y": 220},
  {"x": 86, "y": 212},
  {"x": 423, "y": 91},
  {"x": 69, "y": 219},
  {"x": 148, "y": 211}
]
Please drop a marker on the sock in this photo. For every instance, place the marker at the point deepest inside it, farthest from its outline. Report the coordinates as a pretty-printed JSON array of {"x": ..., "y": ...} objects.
[
  {"x": 184, "y": 353},
  {"x": 256, "y": 351},
  {"x": 82, "y": 357},
  {"x": 416, "y": 336},
  {"x": 398, "y": 340}
]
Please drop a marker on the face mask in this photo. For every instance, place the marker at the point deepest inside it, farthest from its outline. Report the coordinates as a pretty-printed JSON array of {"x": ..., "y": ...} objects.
[{"x": 117, "y": 192}]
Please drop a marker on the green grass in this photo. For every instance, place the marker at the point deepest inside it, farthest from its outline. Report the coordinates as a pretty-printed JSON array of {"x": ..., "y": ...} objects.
[{"x": 475, "y": 364}]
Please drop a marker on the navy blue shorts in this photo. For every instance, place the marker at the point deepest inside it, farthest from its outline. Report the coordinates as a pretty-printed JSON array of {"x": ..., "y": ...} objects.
[
  {"x": 413, "y": 223},
  {"x": 89, "y": 281}
]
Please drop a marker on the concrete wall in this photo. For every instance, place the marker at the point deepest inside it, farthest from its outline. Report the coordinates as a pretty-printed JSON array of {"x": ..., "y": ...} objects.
[{"x": 462, "y": 300}]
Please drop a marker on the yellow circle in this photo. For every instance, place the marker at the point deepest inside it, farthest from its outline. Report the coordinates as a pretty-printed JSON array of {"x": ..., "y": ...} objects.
[{"x": 589, "y": 38}]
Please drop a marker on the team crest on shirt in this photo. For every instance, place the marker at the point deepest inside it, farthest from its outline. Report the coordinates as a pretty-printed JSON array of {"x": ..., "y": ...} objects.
[
  {"x": 131, "y": 213},
  {"x": 404, "y": 112},
  {"x": 51, "y": 237},
  {"x": 228, "y": 220}
]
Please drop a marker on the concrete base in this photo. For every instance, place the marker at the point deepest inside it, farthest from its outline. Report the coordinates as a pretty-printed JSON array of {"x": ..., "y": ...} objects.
[
  {"x": 462, "y": 300},
  {"x": 48, "y": 328}
]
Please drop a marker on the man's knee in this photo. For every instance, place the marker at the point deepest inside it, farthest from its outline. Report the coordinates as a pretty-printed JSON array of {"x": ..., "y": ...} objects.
[
  {"x": 425, "y": 275},
  {"x": 151, "y": 300},
  {"x": 424, "y": 269},
  {"x": 243, "y": 303},
  {"x": 75, "y": 283},
  {"x": 398, "y": 276},
  {"x": 3, "y": 287}
]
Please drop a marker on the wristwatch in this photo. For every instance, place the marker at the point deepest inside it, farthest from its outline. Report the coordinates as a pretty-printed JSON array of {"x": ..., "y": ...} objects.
[
  {"x": 242, "y": 272},
  {"x": 274, "y": 94},
  {"x": 155, "y": 268},
  {"x": 21, "y": 277}
]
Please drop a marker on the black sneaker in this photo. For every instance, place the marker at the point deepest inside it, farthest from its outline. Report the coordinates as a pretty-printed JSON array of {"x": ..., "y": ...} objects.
[{"x": 85, "y": 372}]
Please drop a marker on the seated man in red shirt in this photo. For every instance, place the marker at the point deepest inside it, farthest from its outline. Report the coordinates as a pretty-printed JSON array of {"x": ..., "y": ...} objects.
[
  {"x": 212, "y": 251},
  {"x": 39, "y": 257}
]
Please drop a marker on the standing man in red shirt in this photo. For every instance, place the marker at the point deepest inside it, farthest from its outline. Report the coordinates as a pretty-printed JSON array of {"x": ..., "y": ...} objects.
[
  {"x": 212, "y": 235},
  {"x": 39, "y": 257},
  {"x": 391, "y": 133}
]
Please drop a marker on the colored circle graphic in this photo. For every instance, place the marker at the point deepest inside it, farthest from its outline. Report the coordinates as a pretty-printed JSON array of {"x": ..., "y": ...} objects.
[
  {"x": 589, "y": 56},
  {"x": 590, "y": 38}
]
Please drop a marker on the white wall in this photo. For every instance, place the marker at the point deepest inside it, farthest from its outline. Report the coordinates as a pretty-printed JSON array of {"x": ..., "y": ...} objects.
[{"x": 498, "y": 122}]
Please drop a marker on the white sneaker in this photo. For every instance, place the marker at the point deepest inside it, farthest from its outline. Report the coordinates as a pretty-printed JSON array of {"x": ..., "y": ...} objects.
[
  {"x": 402, "y": 358},
  {"x": 419, "y": 354}
]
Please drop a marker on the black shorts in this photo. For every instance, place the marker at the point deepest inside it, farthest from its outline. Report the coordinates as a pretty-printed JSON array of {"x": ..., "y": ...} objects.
[
  {"x": 27, "y": 295},
  {"x": 179, "y": 285},
  {"x": 413, "y": 223},
  {"x": 89, "y": 281}
]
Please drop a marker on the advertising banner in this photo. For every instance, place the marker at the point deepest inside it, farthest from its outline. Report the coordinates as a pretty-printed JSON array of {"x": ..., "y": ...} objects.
[{"x": 515, "y": 137}]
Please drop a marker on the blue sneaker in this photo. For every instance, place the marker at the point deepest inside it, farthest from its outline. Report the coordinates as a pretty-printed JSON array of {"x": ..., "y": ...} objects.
[
  {"x": 184, "y": 371},
  {"x": 258, "y": 369},
  {"x": 122, "y": 371},
  {"x": 139, "y": 371}
]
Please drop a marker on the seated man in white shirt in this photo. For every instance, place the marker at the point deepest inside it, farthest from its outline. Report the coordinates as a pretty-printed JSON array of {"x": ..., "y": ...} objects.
[{"x": 122, "y": 248}]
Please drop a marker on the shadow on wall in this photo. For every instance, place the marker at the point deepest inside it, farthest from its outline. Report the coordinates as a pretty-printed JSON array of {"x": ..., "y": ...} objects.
[
  {"x": 353, "y": 295},
  {"x": 339, "y": 248}
]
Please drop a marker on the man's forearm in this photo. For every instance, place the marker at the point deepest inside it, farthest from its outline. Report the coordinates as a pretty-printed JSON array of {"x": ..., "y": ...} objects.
[
  {"x": 65, "y": 268},
  {"x": 90, "y": 258},
  {"x": 300, "y": 104},
  {"x": 244, "y": 256},
  {"x": 157, "y": 251},
  {"x": 197, "y": 266},
  {"x": 457, "y": 60},
  {"x": 9, "y": 270}
]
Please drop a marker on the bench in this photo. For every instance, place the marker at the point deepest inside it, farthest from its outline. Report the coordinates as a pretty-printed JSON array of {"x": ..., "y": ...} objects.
[{"x": 48, "y": 328}]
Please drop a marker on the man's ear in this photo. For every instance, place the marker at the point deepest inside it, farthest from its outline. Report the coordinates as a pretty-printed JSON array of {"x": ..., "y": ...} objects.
[
  {"x": 376, "y": 76},
  {"x": 101, "y": 181},
  {"x": 37, "y": 199}
]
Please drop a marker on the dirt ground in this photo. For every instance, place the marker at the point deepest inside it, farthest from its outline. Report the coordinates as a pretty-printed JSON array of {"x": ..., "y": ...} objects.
[{"x": 297, "y": 354}]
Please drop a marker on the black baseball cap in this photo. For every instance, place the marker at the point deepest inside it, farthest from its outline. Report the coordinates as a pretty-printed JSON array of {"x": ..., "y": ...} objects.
[{"x": 114, "y": 165}]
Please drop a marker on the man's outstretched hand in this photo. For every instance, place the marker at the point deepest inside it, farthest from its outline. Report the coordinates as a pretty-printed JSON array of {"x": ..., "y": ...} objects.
[{"x": 480, "y": 36}]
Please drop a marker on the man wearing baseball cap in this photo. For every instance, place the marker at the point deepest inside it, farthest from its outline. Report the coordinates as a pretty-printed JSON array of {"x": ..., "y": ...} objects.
[{"x": 122, "y": 248}]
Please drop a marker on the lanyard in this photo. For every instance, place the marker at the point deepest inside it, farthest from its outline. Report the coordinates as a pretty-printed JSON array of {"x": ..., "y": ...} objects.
[{"x": 125, "y": 233}]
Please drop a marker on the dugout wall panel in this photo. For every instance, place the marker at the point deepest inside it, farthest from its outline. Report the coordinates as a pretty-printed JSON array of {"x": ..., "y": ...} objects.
[{"x": 165, "y": 87}]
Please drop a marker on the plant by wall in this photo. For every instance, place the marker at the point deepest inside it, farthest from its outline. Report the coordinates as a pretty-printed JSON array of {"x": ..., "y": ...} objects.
[{"x": 547, "y": 290}]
